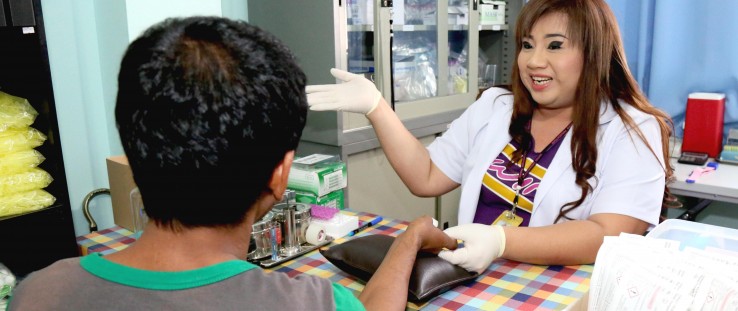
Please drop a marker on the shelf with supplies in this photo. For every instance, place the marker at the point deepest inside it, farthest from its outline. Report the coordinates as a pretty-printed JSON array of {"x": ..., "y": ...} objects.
[
  {"x": 370, "y": 28},
  {"x": 494, "y": 27},
  {"x": 452, "y": 27},
  {"x": 360, "y": 28},
  {"x": 36, "y": 227}
]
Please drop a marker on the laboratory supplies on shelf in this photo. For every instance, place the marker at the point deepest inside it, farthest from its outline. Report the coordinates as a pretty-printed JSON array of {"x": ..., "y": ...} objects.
[{"x": 730, "y": 149}]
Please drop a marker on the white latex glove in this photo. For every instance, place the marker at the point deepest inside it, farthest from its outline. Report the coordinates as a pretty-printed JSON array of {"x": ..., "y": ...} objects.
[
  {"x": 482, "y": 245},
  {"x": 356, "y": 94}
]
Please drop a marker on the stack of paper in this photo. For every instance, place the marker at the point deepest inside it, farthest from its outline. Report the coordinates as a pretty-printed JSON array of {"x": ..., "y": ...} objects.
[{"x": 634, "y": 272}]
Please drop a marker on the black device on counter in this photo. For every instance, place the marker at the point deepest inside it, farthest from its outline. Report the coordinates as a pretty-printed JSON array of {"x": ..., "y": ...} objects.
[{"x": 696, "y": 158}]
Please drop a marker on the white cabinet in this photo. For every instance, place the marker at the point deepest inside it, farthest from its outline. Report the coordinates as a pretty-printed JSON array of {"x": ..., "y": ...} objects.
[
  {"x": 418, "y": 54},
  {"x": 375, "y": 187},
  {"x": 408, "y": 61}
]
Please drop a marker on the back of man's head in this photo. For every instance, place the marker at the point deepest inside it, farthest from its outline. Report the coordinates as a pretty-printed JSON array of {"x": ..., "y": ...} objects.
[{"x": 206, "y": 109}]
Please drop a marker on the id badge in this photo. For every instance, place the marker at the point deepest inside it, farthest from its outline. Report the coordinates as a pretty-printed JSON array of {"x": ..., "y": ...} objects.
[{"x": 504, "y": 220}]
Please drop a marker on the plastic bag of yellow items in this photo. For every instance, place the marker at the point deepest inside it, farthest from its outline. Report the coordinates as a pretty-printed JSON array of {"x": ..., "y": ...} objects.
[
  {"x": 20, "y": 161},
  {"x": 15, "y": 112},
  {"x": 20, "y": 139},
  {"x": 23, "y": 202},
  {"x": 34, "y": 178}
]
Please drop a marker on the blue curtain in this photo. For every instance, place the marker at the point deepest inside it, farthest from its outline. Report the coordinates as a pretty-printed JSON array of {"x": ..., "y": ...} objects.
[{"x": 676, "y": 47}]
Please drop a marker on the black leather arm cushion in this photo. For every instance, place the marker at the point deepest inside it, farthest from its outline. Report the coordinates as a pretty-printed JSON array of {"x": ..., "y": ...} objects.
[{"x": 431, "y": 276}]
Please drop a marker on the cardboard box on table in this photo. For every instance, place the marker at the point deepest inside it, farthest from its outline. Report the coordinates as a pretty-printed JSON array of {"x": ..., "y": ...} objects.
[{"x": 121, "y": 186}]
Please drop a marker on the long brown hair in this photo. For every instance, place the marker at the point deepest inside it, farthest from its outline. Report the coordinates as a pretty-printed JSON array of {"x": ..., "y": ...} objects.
[{"x": 592, "y": 27}]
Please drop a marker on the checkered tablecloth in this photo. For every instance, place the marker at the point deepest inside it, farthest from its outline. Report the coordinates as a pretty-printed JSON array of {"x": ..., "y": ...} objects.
[
  {"x": 105, "y": 241},
  {"x": 506, "y": 285}
]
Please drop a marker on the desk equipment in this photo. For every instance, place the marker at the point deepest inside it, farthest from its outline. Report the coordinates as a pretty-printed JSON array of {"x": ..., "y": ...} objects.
[
  {"x": 281, "y": 234},
  {"x": 367, "y": 225},
  {"x": 728, "y": 156},
  {"x": 703, "y": 123},
  {"x": 261, "y": 234},
  {"x": 717, "y": 186},
  {"x": 730, "y": 149},
  {"x": 695, "y": 158},
  {"x": 293, "y": 220},
  {"x": 697, "y": 172},
  {"x": 338, "y": 226}
]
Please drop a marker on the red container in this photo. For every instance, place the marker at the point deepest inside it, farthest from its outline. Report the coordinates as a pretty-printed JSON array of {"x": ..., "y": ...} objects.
[{"x": 703, "y": 124}]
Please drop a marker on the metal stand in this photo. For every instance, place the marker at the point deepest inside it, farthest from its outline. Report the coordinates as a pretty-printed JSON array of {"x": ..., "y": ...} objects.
[{"x": 691, "y": 214}]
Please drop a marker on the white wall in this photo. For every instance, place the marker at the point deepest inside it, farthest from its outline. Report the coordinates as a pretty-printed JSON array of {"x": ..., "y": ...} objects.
[{"x": 144, "y": 13}]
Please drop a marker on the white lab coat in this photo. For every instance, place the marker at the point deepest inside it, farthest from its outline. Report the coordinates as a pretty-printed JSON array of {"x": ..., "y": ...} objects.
[{"x": 629, "y": 179}]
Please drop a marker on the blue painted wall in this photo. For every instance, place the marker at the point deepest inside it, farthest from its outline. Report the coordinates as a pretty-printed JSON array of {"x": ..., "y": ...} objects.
[{"x": 676, "y": 47}]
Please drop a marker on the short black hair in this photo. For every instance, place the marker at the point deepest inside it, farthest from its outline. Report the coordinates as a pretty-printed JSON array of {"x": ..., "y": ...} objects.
[{"x": 206, "y": 109}]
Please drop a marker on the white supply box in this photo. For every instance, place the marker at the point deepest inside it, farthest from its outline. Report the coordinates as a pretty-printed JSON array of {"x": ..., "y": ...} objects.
[
  {"x": 492, "y": 12},
  {"x": 339, "y": 226}
]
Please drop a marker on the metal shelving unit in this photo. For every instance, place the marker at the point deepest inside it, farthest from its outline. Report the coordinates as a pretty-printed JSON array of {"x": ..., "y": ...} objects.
[
  {"x": 34, "y": 240},
  {"x": 332, "y": 33}
]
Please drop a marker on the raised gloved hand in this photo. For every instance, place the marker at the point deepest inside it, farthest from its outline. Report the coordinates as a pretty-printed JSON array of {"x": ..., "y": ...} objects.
[
  {"x": 482, "y": 245},
  {"x": 356, "y": 94}
]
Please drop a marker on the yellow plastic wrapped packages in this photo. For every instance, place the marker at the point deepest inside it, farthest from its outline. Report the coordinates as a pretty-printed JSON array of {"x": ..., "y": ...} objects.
[
  {"x": 34, "y": 178},
  {"x": 20, "y": 139},
  {"x": 15, "y": 112},
  {"x": 23, "y": 202},
  {"x": 20, "y": 161}
]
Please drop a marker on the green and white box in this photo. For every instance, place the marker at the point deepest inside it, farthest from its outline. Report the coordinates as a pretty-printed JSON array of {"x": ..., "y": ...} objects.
[
  {"x": 333, "y": 199},
  {"x": 319, "y": 174}
]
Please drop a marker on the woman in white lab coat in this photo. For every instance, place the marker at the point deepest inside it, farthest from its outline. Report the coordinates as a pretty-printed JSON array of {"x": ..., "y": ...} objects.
[{"x": 591, "y": 145}]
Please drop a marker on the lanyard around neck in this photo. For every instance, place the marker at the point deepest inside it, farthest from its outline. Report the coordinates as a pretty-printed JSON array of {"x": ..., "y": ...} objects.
[{"x": 523, "y": 173}]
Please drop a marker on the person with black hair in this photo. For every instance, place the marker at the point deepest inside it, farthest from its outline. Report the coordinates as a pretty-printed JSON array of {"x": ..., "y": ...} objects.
[
  {"x": 210, "y": 112},
  {"x": 570, "y": 153}
]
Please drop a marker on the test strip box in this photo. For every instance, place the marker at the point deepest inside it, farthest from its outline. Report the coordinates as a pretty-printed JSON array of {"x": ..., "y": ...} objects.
[
  {"x": 333, "y": 199},
  {"x": 318, "y": 174}
]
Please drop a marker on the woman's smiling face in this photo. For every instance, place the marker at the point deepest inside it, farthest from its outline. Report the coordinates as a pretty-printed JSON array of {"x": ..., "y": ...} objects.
[{"x": 550, "y": 64}]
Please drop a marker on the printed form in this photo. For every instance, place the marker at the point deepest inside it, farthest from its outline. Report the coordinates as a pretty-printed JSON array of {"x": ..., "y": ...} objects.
[{"x": 634, "y": 272}]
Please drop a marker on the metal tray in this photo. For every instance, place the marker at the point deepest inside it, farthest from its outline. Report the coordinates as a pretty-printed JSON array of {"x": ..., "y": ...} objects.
[{"x": 304, "y": 249}]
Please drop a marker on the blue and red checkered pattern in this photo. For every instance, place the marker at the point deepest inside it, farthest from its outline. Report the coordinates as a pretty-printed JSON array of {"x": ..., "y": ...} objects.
[
  {"x": 105, "y": 241},
  {"x": 506, "y": 285}
]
